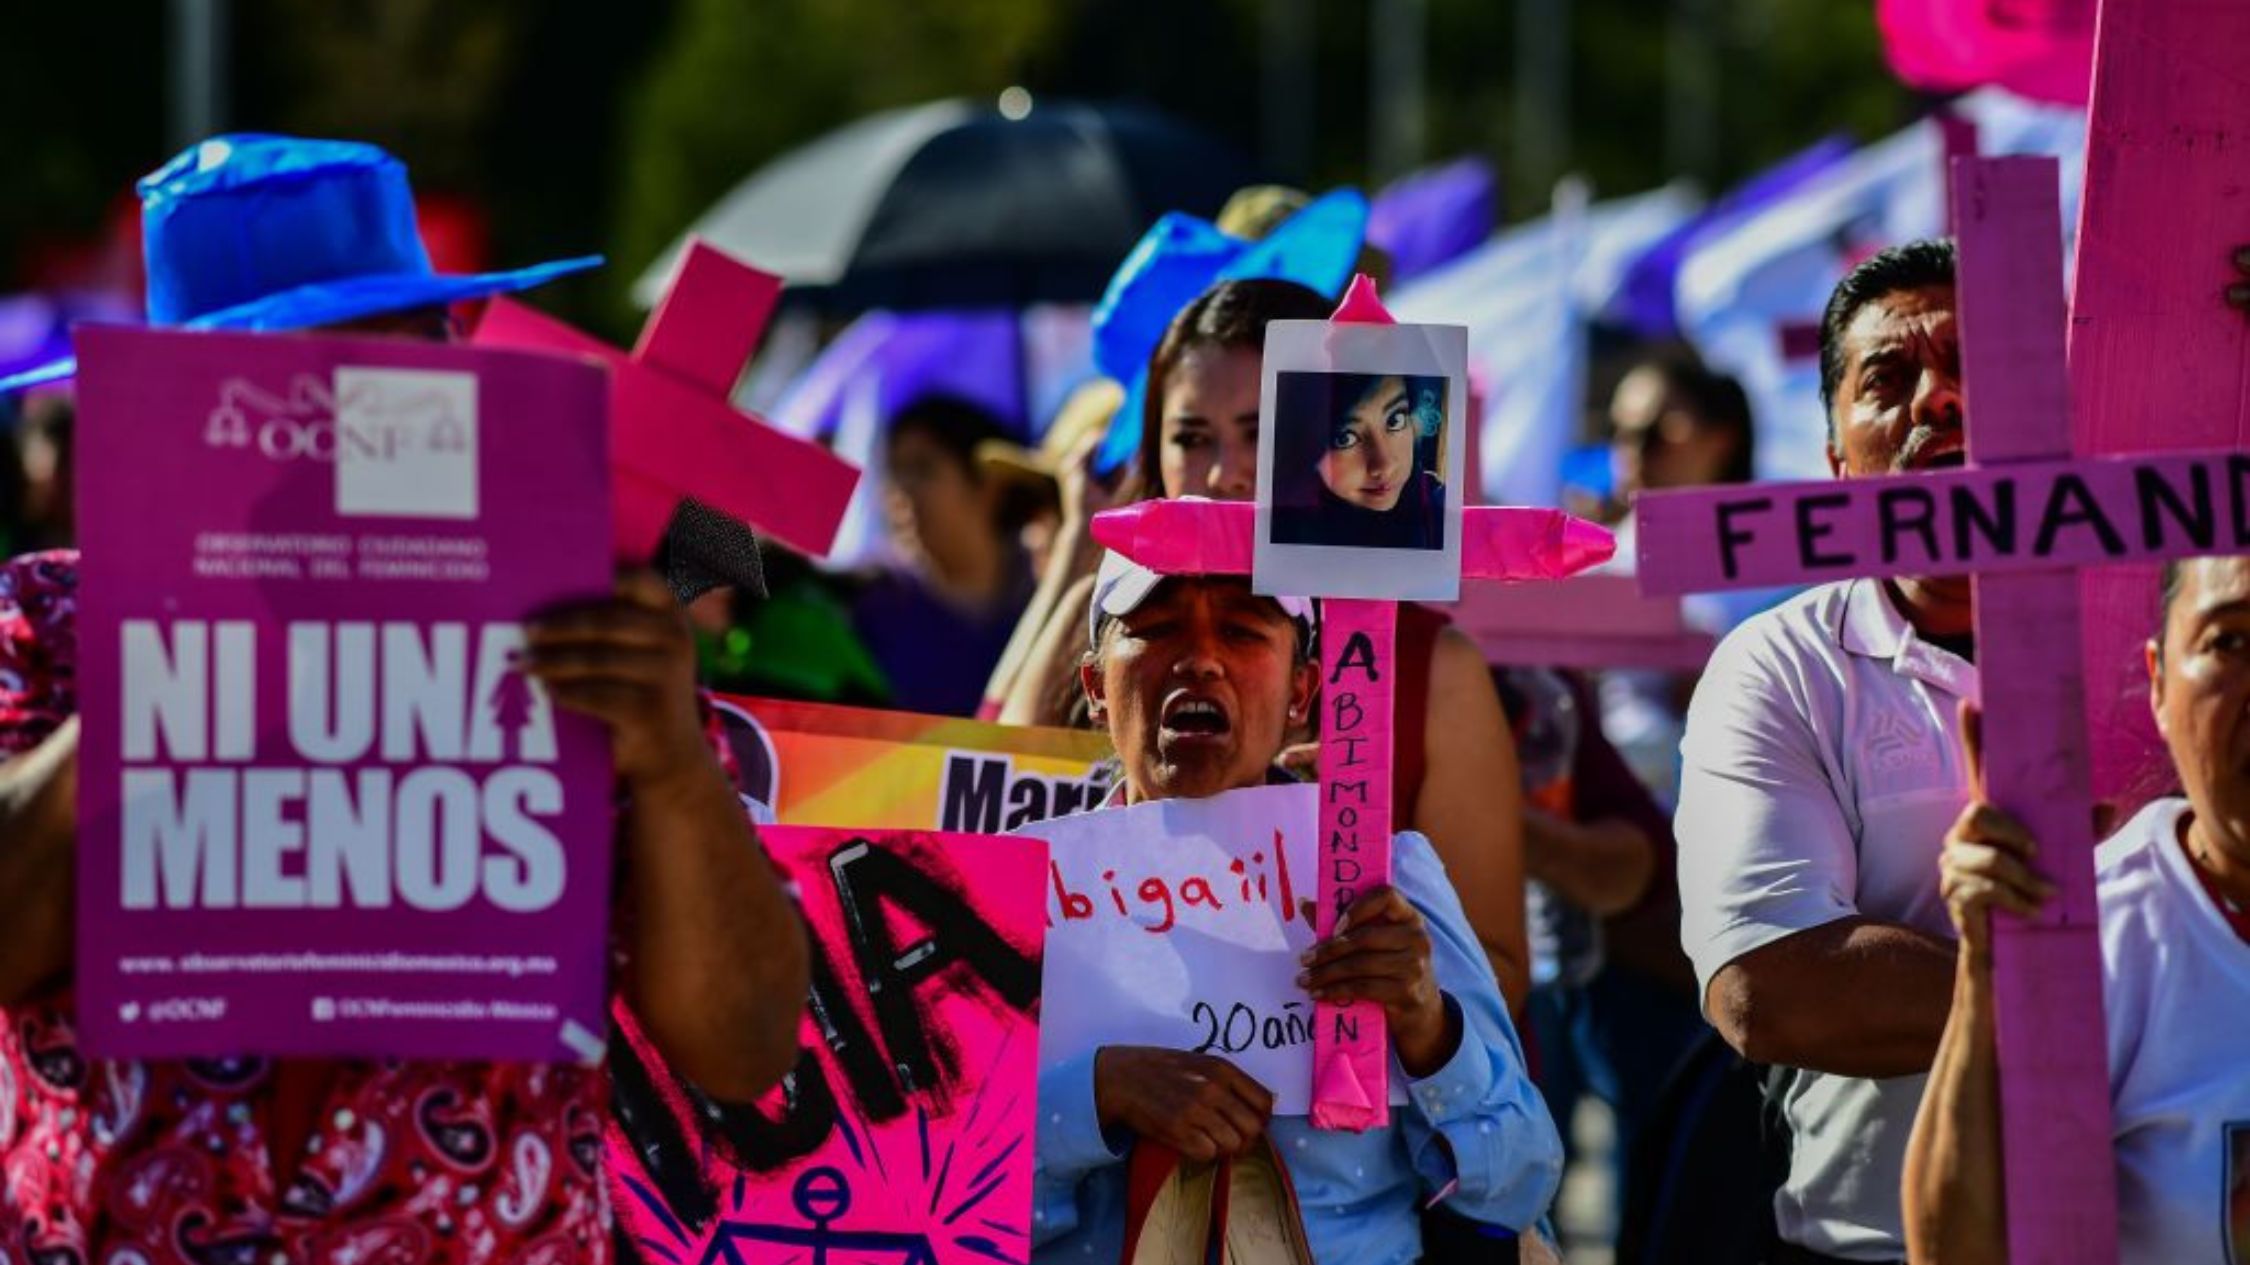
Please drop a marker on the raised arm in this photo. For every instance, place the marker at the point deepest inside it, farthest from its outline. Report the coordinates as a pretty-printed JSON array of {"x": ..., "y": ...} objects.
[
  {"x": 1048, "y": 671},
  {"x": 1953, "y": 1191},
  {"x": 718, "y": 970},
  {"x": 1075, "y": 554}
]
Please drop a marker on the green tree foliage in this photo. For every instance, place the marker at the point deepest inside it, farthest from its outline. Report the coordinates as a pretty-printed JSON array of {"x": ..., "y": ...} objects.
[
  {"x": 581, "y": 124},
  {"x": 81, "y": 116},
  {"x": 735, "y": 83},
  {"x": 418, "y": 77}
]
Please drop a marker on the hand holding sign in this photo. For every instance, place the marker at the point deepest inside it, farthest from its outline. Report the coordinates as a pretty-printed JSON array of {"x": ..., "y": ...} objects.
[
  {"x": 1381, "y": 954},
  {"x": 1197, "y": 1104},
  {"x": 629, "y": 662},
  {"x": 1986, "y": 864}
]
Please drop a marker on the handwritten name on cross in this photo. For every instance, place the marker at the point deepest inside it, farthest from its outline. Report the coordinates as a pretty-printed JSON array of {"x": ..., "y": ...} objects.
[
  {"x": 2019, "y": 522},
  {"x": 1350, "y": 1045},
  {"x": 673, "y": 433}
]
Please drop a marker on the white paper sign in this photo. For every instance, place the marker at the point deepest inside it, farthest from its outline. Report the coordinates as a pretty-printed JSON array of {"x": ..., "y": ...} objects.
[{"x": 1178, "y": 924}]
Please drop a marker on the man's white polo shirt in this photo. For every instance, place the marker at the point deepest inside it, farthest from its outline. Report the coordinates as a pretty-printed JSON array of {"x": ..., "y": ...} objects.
[{"x": 1821, "y": 767}]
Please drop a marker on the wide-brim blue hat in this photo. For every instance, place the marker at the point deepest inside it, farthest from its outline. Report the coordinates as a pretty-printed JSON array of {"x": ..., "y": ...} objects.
[
  {"x": 1181, "y": 257},
  {"x": 267, "y": 233}
]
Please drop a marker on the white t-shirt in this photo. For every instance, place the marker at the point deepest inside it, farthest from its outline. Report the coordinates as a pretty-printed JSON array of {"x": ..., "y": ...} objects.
[
  {"x": 2176, "y": 983},
  {"x": 1821, "y": 767}
]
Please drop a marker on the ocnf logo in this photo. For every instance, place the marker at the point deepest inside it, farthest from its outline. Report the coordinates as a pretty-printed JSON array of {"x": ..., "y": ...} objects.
[{"x": 406, "y": 442}]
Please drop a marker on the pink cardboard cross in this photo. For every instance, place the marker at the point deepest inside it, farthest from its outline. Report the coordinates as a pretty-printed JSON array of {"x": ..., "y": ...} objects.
[
  {"x": 673, "y": 433},
  {"x": 1351, "y": 1049},
  {"x": 2020, "y": 521},
  {"x": 1587, "y": 621},
  {"x": 2155, "y": 363}
]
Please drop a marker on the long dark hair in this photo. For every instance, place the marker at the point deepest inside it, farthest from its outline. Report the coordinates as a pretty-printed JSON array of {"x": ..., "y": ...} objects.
[
  {"x": 1299, "y": 449},
  {"x": 1229, "y": 316}
]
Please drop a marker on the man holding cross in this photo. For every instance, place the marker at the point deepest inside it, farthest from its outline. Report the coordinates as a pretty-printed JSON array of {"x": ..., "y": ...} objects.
[{"x": 1821, "y": 768}]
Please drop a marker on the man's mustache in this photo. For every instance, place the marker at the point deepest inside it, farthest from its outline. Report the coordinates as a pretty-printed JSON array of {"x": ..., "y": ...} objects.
[{"x": 1923, "y": 439}]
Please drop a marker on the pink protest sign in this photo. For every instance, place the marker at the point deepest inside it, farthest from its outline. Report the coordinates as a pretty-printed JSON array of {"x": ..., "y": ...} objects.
[
  {"x": 673, "y": 433},
  {"x": 2157, "y": 362},
  {"x": 2023, "y": 516},
  {"x": 320, "y": 813},
  {"x": 904, "y": 1134}
]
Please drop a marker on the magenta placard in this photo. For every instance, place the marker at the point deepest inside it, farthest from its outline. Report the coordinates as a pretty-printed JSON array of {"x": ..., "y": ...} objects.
[
  {"x": 320, "y": 813},
  {"x": 2017, "y": 517},
  {"x": 905, "y": 1133}
]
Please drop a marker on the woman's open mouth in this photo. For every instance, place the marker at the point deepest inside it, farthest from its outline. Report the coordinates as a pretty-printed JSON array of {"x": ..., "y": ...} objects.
[{"x": 1194, "y": 718}]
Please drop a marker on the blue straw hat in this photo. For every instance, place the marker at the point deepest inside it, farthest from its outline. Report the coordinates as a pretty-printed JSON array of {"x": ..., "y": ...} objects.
[
  {"x": 250, "y": 232},
  {"x": 1182, "y": 256}
]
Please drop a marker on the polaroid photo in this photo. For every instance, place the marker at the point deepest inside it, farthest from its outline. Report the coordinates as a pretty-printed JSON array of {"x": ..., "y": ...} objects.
[{"x": 1361, "y": 452}]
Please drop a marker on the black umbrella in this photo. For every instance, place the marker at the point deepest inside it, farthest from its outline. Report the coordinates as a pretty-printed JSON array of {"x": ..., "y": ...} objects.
[{"x": 953, "y": 204}]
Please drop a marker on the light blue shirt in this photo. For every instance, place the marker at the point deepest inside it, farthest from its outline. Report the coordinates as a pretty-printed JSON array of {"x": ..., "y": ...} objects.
[{"x": 1476, "y": 1125}]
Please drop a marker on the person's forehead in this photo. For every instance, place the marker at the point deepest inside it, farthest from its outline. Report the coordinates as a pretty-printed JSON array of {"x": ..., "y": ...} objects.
[
  {"x": 1228, "y": 593},
  {"x": 2210, "y": 584},
  {"x": 1639, "y": 399},
  {"x": 1900, "y": 316},
  {"x": 1380, "y": 393},
  {"x": 1213, "y": 367}
]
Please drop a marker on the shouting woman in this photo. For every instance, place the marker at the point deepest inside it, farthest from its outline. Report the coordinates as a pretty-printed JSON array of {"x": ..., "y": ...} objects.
[{"x": 1198, "y": 682}]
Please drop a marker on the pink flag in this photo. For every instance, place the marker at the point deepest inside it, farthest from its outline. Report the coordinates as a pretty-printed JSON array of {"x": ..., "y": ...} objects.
[{"x": 2043, "y": 49}]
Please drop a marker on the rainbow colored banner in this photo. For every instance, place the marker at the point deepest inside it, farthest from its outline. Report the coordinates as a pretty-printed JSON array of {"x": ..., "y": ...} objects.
[{"x": 818, "y": 765}]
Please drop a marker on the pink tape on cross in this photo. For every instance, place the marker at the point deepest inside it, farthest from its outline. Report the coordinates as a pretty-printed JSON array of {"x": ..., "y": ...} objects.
[
  {"x": 1498, "y": 542},
  {"x": 673, "y": 433}
]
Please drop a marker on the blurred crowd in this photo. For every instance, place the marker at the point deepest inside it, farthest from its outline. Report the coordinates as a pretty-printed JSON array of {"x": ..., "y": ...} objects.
[{"x": 1548, "y": 793}]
